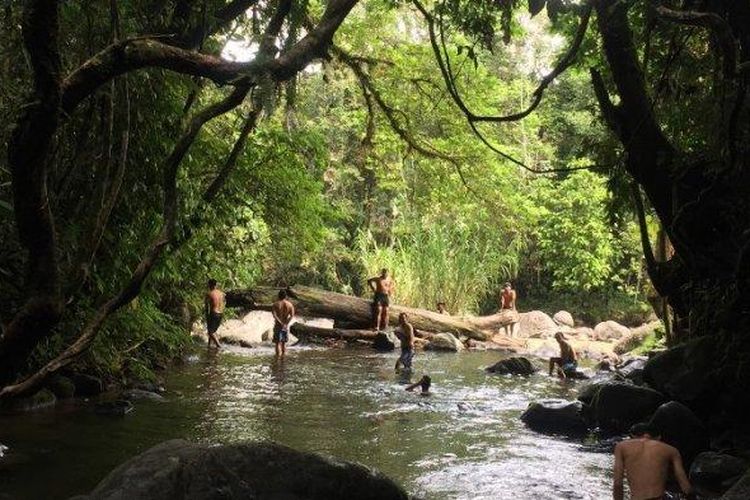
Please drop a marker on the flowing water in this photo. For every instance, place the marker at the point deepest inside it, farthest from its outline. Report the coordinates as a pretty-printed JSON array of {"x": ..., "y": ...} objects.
[{"x": 464, "y": 441}]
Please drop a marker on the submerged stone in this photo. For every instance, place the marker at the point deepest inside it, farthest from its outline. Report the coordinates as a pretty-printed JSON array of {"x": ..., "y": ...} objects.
[{"x": 554, "y": 416}]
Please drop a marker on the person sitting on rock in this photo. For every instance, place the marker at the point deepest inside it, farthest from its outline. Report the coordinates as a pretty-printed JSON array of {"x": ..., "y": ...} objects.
[
  {"x": 405, "y": 334},
  {"x": 425, "y": 382},
  {"x": 567, "y": 363},
  {"x": 646, "y": 462}
]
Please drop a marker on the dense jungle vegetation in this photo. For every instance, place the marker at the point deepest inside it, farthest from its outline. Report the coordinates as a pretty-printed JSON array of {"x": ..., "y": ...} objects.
[{"x": 151, "y": 145}]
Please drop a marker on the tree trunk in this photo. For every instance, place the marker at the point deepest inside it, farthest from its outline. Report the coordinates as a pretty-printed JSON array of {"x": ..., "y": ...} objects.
[{"x": 356, "y": 313}]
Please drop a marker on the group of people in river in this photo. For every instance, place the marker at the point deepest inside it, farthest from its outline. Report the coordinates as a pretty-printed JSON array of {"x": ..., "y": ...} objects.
[{"x": 643, "y": 459}]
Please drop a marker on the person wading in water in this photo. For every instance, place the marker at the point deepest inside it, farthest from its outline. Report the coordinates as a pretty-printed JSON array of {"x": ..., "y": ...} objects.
[
  {"x": 508, "y": 303},
  {"x": 567, "y": 363},
  {"x": 382, "y": 286},
  {"x": 646, "y": 462},
  {"x": 283, "y": 313},
  {"x": 406, "y": 336},
  {"x": 214, "y": 302}
]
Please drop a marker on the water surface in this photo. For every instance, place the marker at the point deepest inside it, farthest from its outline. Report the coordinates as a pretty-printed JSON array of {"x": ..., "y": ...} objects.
[{"x": 463, "y": 442}]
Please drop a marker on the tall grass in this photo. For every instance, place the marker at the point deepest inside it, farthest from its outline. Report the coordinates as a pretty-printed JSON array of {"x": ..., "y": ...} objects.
[{"x": 458, "y": 265}]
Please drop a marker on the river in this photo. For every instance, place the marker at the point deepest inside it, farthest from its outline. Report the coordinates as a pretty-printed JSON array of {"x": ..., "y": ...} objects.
[{"x": 464, "y": 442}]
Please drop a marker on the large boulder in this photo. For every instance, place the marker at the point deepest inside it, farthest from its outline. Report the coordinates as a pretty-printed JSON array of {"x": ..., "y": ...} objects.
[
  {"x": 536, "y": 324},
  {"x": 555, "y": 416},
  {"x": 712, "y": 473},
  {"x": 610, "y": 330},
  {"x": 512, "y": 366},
  {"x": 38, "y": 401},
  {"x": 632, "y": 370},
  {"x": 188, "y": 471},
  {"x": 679, "y": 427},
  {"x": 386, "y": 341},
  {"x": 445, "y": 342},
  {"x": 684, "y": 373},
  {"x": 618, "y": 405},
  {"x": 582, "y": 333},
  {"x": 564, "y": 318}
]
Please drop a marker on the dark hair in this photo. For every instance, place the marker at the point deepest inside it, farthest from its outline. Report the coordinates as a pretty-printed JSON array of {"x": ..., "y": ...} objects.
[
  {"x": 282, "y": 294},
  {"x": 212, "y": 283},
  {"x": 507, "y": 283},
  {"x": 642, "y": 428},
  {"x": 383, "y": 271},
  {"x": 402, "y": 316},
  {"x": 426, "y": 382}
]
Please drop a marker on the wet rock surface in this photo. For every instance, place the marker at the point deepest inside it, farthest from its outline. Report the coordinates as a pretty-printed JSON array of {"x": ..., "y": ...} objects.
[{"x": 179, "y": 469}]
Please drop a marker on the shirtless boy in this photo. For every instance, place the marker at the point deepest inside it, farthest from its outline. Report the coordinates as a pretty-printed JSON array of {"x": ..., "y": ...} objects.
[
  {"x": 406, "y": 331},
  {"x": 283, "y": 313},
  {"x": 567, "y": 363},
  {"x": 508, "y": 302},
  {"x": 214, "y": 303},
  {"x": 646, "y": 462},
  {"x": 382, "y": 286}
]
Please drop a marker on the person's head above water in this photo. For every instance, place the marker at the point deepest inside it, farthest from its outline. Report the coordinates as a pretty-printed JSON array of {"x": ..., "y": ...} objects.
[
  {"x": 644, "y": 429},
  {"x": 211, "y": 284},
  {"x": 282, "y": 294}
]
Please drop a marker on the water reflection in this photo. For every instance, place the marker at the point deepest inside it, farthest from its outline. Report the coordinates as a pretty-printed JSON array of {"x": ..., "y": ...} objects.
[{"x": 464, "y": 441}]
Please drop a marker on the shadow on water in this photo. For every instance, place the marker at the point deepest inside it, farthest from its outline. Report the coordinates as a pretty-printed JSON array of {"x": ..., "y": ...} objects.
[{"x": 464, "y": 441}]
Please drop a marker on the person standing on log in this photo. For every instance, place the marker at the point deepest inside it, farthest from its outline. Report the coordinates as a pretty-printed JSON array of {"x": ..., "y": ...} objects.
[
  {"x": 508, "y": 303},
  {"x": 646, "y": 462},
  {"x": 214, "y": 303},
  {"x": 382, "y": 286},
  {"x": 406, "y": 336},
  {"x": 283, "y": 313},
  {"x": 567, "y": 363}
]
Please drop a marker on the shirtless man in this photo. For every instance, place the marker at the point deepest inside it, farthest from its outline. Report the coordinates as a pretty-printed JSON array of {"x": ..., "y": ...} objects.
[
  {"x": 568, "y": 360},
  {"x": 382, "y": 286},
  {"x": 214, "y": 302},
  {"x": 508, "y": 302},
  {"x": 406, "y": 335},
  {"x": 646, "y": 462},
  {"x": 283, "y": 312}
]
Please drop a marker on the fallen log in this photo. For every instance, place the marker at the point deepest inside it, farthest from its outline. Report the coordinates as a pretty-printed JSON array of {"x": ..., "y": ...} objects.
[
  {"x": 356, "y": 313},
  {"x": 302, "y": 330}
]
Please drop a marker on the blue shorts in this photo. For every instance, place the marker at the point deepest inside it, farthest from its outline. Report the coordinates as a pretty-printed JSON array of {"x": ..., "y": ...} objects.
[
  {"x": 570, "y": 367},
  {"x": 280, "y": 334},
  {"x": 407, "y": 355}
]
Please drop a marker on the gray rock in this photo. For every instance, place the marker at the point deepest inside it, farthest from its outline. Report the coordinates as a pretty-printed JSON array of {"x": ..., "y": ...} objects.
[
  {"x": 555, "y": 416},
  {"x": 684, "y": 372},
  {"x": 633, "y": 370},
  {"x": 610, "y": 330},
  {"x": 62, "y": 387},
  {"x": 564, "y": 318},
  {"x": 712, "y": 473},
  {"x": 3, "y": 450},
  {"x": 536, "y": 324},
  {"x": 445, "y": 342},
  {"x": 178, "y": 469},
  {"x": 513, "y": 366},
  {"x": 38, "y": 401},
  {"x": 618, "y": 405},
  {"x": 136, "y": 394},
  {"x": 386, "y": 341}
]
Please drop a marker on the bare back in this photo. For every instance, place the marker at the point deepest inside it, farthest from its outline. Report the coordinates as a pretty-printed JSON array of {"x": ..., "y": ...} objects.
[
  {"x": 567, "y": 353},
  {"x": 508, "y": 299},
  {"x": 283, "y": 311},
  {"x": 215, "y": 301},
  {"x": 646, "y": 464}
]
